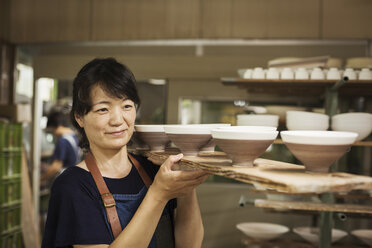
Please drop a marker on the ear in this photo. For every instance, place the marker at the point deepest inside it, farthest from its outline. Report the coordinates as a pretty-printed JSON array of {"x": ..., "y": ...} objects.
[{"x": 79, "y": 120}]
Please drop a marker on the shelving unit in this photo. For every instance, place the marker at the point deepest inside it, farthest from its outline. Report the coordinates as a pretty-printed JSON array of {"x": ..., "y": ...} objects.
[{"x": 330, "y": 90}]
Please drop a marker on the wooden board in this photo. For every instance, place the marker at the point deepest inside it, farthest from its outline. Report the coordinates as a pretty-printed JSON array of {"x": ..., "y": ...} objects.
[
  {"x": 29, "y": 230},
  {"x": 314, "y": 206},
  {"x": 280, "y": 176}
]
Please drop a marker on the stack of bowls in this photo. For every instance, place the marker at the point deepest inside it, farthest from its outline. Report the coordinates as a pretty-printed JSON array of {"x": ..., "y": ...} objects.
[
  {"x": 317, "y": 150},
  {"x": 244, "y": 144},
  {"x": 258, "y": 120},
  {"x": 153, "y": 135},
  {"x": 360, "y": 123},
  {"x": 302, "y": 120}
]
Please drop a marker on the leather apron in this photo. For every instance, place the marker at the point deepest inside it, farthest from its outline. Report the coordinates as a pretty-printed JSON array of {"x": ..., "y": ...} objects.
[{"x": 126, "y": 207}]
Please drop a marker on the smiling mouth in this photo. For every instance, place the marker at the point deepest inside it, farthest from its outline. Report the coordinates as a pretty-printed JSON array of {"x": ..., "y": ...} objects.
[{"x": 117, "y": 133}]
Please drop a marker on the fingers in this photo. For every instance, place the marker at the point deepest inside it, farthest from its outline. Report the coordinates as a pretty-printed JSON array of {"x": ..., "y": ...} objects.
[{"x": 171, "y": 160}]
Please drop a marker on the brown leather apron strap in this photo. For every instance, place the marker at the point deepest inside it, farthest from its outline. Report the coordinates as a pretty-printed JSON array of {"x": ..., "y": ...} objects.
[
  {"x": 107, "y": 198},
  {"x": 141, "y": 171}
]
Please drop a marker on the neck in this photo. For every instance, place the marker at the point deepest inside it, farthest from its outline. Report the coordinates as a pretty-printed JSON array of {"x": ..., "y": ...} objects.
[{"x": 112, "y": 163}]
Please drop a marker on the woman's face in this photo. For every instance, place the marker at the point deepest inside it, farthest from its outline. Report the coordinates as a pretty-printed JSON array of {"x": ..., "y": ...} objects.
[{"x": 110, "y": 122}]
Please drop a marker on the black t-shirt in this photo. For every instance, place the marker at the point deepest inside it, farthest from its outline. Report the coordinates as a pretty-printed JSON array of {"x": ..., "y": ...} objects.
[{"x": 75, "y": 213}]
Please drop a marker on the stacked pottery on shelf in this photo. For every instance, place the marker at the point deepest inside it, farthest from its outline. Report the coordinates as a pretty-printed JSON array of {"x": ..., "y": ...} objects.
[{"x": 307, "y": 136}]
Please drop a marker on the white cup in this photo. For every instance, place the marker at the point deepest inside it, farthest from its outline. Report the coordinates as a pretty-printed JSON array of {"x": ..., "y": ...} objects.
[
  {"x": 272, "y": 73},
  {"x": 258, "y": 73},
  {"x": 350, "y": 73},
  {"x": 287, "y": 73},
  {"x": 301, "y": 74},
  {"x": 333, "y": 74},
  {"x": 248, "y": 74},
  {"x": 365, "y": 74},
  {"x": 317, "y": 74}
]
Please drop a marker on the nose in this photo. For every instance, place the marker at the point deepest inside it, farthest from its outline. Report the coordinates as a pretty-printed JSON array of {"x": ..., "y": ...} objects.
[{"x": 116, "y": 117}]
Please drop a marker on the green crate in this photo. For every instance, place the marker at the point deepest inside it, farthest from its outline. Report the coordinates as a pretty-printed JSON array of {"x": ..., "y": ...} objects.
[
  {"x": 10, "y": 135},
  {"x": 10, "y": 191},
  {"x": 10, "y": 164},
  {"x": 12, "y": 239},
  {"x": 10, "y": 218}
]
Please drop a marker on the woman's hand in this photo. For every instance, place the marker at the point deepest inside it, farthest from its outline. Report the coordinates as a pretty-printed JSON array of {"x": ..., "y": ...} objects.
[{"x": 169, "y": 184}]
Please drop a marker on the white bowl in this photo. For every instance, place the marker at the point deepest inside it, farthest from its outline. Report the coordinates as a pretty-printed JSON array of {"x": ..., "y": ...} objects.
[
  {"x": 258, "y": 120},
  {"x": 360, "y": 123},
  {"x": 365, "y": 74},
  {"x": 149, "y": 128},
  {"x": 153, "y": 135},
  {"x": 262, "y": 231},
  {"x": 319, "y": 137},
  {"x": 311, "y": 234},
  {"x": 364, "y": 235},
  {"x": 245, "y": 144},
  {"x": 317, "y": 150},
  {"x": 302, "y": 120}
]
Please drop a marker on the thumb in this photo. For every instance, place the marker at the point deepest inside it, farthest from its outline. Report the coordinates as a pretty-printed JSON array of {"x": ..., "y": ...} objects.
[{"x": 172, "y": 160}]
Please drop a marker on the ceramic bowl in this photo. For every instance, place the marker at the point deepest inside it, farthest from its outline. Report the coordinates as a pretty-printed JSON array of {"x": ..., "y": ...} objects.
[
  {"x": 244, "y": 144},
  {"x": 365, "y": 74},
  {"x": 210, "y": 146},
  {"x": 364, "y": 235},
  {"x": 262, "y": 231},
  {"x": 189, "y": 138},
  {"x": 311, "y": 234},
  {"x": 360, "y": 123},
  {"x": 317, "y": 150},
  {"x": 258, "y": 120},
  {"x": 153, "y": 135},
  {"x": 302, "y": 120}
]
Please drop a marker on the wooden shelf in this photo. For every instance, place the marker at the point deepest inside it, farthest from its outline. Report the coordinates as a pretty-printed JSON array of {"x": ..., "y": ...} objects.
[
  {"x": 303, "y": 87},
  {"x": 280, "y": 176},
  {"x": 314, "y": 206}
]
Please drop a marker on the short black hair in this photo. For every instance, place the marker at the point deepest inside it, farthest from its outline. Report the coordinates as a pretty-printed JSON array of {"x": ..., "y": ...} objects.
[
  {"x": 56, "y": 119},
  {"x": 113, "y": 77}
]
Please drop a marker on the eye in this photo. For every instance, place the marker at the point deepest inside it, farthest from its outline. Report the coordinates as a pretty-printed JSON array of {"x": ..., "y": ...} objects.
[
  {"x": 101, "y": 110},
  {"x": 128, "y": 105}
]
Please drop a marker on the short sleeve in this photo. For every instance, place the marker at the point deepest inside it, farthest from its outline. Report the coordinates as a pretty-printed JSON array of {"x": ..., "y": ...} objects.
[
  {"x": 74, "y": 215},
  {"x": 60, "y": 150}
]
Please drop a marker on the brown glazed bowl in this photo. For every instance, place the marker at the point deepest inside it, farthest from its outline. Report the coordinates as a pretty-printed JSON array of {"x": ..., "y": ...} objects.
[
  {"x": 317, "y": 150},
  {"x": 189, "y": 138},
  {"x": 153, "y": 135},
  {"x": 244, "y": 144}
]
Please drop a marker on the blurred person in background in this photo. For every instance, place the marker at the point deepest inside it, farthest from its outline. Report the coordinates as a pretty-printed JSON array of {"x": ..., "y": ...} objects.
[{"x": 66, "y": 152}]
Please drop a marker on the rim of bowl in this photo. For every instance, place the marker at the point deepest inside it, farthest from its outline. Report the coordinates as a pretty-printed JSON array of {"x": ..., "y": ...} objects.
[
  {"x": 253, "y": 134},
  {"x": 353, "y": 114},
  {"x": 247, "y": 127},
  {"x": 297, "y": 112},
  {"x": 149, "y": 128},
  {"x": 187, "y": 129},
  {"x": 312, "y": 137},
  {"x": 257, "y": 115}
]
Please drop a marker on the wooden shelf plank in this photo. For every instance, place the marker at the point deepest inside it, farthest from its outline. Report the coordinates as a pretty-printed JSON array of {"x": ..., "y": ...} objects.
[
  {"x": 314, "y": 206},
  {"x": 280, "y": 176}
]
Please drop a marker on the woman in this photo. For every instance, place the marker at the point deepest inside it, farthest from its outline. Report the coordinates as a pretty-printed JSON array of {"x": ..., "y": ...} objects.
[{"x": 104, "y": 107}]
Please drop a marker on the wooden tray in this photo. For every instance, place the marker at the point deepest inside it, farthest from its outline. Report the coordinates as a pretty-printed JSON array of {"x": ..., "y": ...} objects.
[{"x": 280, "y": 176}]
